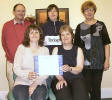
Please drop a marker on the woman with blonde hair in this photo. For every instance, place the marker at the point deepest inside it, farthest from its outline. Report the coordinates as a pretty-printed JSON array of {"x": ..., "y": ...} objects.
[{"x": 69, "y": 86}]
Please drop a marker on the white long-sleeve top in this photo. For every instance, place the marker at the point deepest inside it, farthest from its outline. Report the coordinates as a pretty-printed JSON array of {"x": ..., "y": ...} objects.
[{"x": 24, "y": 63}]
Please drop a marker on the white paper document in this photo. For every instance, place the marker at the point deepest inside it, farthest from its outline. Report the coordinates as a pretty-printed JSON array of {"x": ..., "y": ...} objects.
[{"x": 48, "y": 65}]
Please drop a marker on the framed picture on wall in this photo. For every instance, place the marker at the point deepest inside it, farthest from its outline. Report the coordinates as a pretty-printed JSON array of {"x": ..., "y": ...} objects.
[{"x": 41, "y": 15}]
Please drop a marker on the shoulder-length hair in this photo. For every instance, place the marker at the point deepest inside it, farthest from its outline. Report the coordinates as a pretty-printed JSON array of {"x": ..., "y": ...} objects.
[
  {"x": 66, "y": 28},
  {"x": 26, "y": 41}
]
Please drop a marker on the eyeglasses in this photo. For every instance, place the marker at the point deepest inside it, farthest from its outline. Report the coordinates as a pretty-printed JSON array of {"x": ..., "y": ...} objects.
[{"x": 90, "y": 9}]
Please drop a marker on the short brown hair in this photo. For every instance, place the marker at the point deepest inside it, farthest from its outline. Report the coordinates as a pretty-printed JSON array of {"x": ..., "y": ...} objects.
[
  {"x": 50, "y": 7},
  {"x": 26, "y": 41},
  {"x": 88, "y": 4},
  {"x": 66, "y": 28},
  {"x": 15, "y": 6}
]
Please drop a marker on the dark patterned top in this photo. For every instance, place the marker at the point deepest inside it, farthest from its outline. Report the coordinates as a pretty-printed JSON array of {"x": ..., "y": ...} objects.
[{"x": 92, "y": 39}]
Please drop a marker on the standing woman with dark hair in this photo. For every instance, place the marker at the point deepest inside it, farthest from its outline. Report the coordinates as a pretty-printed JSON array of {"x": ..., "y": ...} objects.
[
  {"x": 27, "y": 82},
  {"x": 93, "y": 37},
  {"x": 51, "y": 27}
]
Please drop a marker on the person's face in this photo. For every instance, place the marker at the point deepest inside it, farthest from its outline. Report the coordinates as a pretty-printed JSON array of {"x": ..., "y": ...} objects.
[
  {"x": 19, "y": 12},
  {"x": 34, "y": 36},
  {"x": 89, "y": 13},
  {"x": 66, "y": 37},
  {"x": 53, "y": 14}
]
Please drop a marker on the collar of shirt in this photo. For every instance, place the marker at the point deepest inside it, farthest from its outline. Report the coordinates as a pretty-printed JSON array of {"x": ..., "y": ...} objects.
[{"x": 15, "y": 22}]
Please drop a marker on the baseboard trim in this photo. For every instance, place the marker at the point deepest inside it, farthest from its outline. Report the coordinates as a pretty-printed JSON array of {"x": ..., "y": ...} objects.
[
  {"x": 3, "y": 95},
  {"x": 106, "y": 93}
]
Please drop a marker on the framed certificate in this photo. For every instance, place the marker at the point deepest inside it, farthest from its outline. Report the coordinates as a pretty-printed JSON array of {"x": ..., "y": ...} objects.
[{"x": 48, "y": 65}]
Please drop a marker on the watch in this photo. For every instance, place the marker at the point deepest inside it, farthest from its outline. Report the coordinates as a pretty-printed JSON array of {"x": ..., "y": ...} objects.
[{"x": 70, "y": 69}]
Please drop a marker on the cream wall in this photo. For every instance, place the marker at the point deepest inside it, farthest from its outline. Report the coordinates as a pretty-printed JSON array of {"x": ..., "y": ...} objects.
[{"x": 75, "y": 16}]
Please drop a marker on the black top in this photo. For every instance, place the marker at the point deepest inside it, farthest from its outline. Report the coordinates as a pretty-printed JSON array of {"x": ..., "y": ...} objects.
[
  {"x": 69, "y": 58},
  {"x": 92, "y": 39},
  {"x": 51, "y": 29}
]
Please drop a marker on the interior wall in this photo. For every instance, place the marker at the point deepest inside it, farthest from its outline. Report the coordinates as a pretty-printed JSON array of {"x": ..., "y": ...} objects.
[{"x": 103, "y": 13}]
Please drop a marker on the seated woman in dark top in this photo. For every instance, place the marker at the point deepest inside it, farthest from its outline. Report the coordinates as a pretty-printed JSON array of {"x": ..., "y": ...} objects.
[{"x": 71, "y": 85}]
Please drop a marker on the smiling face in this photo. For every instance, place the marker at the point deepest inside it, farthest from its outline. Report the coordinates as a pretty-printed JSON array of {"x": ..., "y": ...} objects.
[
  {"x": 34, "y": 36},
  {"x": 88, "y": 9},
  {"x": 89, "y": 13},
  {"x": 66, "y": 37},
  {"x": 53, "y": 14},
  {"x": 19, "y": 12}
]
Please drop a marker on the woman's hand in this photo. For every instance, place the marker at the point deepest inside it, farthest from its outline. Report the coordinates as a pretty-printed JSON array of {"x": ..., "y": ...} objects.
[
  {"x": 66, "y": 68},
  {"x": 60, "y": 84},
  {"x": 32, "y": 87},
  {"x": 106, "y": 65},
  {"x": 32, "y": 75}
]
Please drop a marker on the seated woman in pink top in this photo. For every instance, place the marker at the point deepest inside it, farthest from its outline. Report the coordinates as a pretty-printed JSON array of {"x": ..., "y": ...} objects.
[{"x": 27, "y": 82}]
